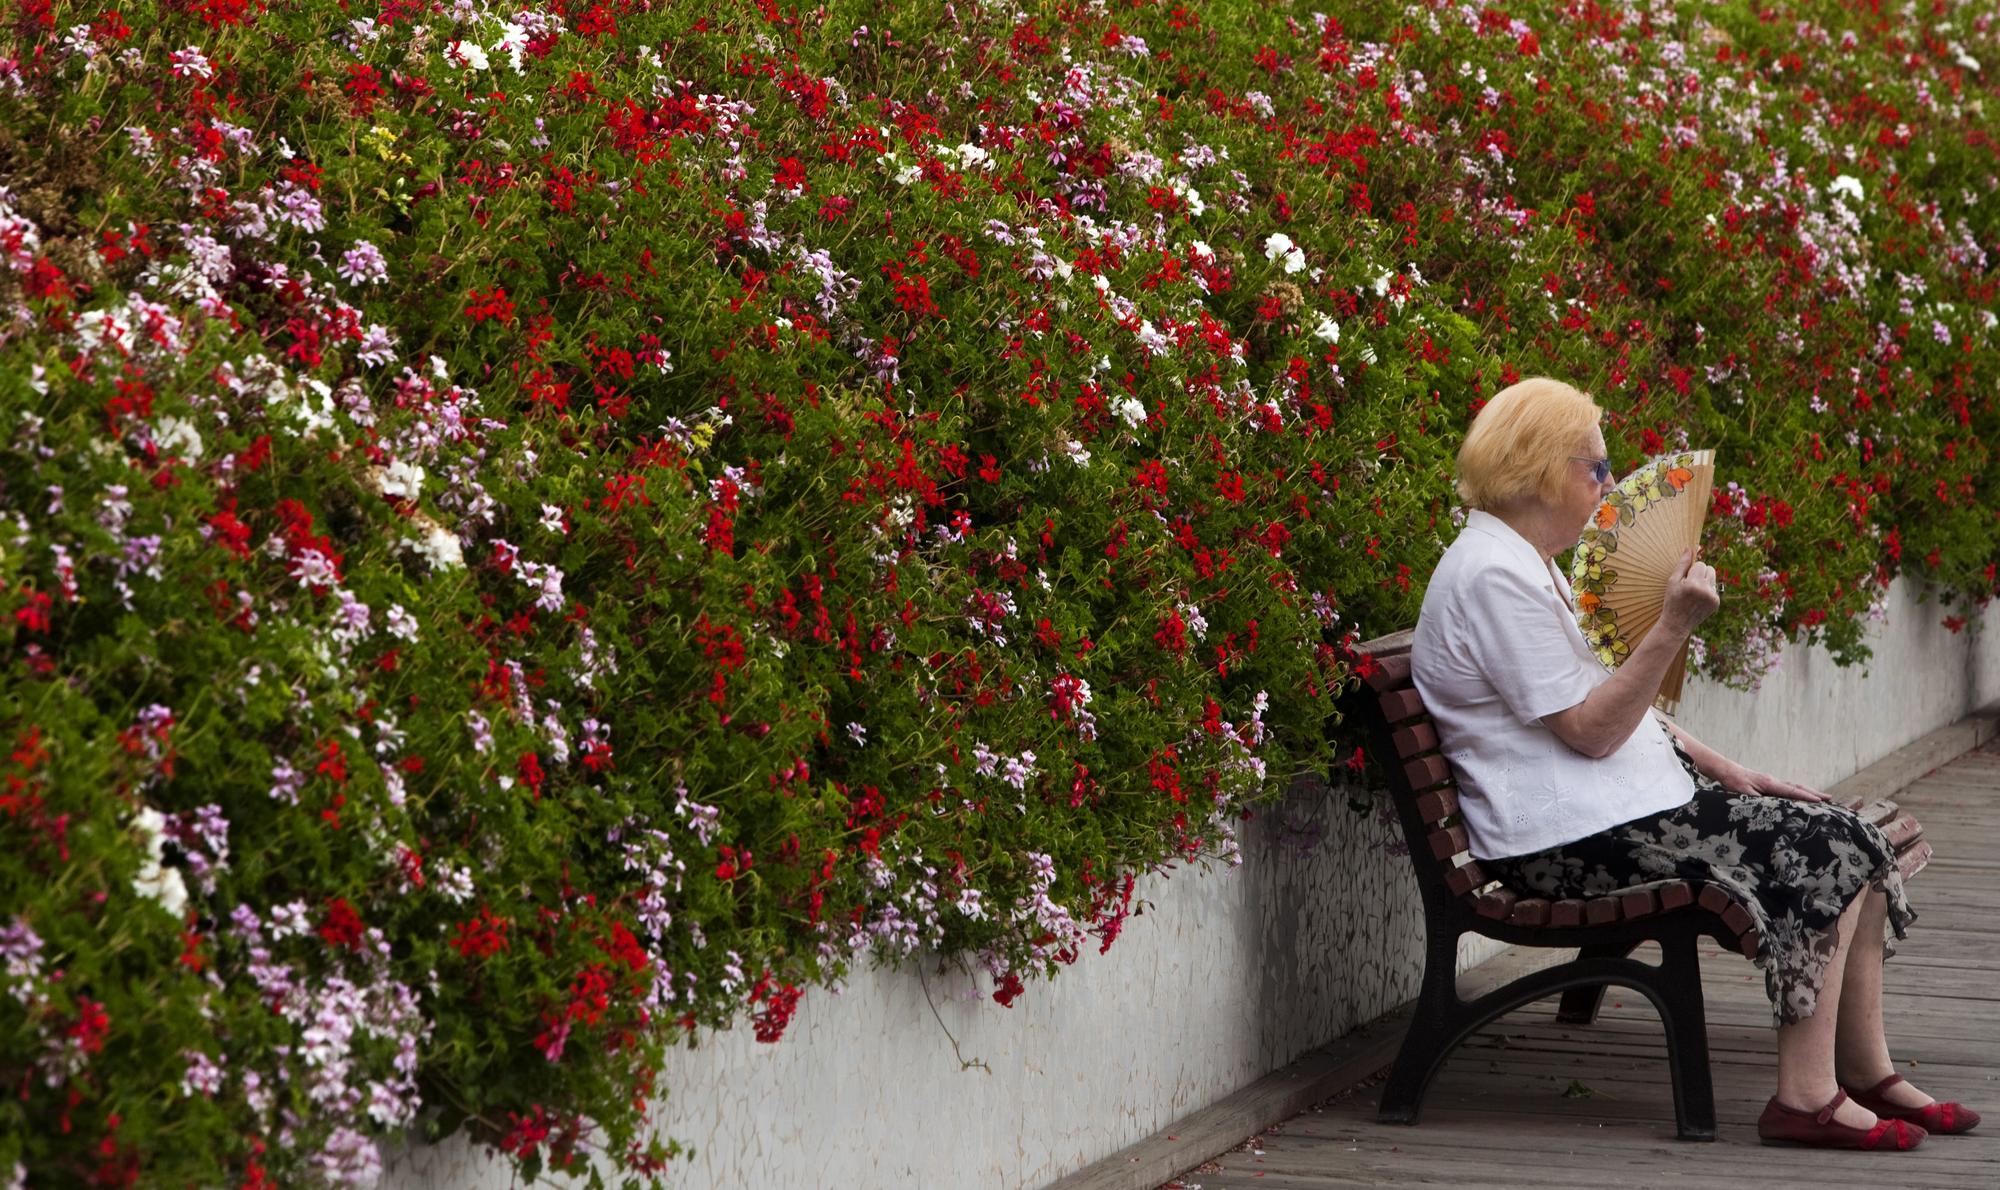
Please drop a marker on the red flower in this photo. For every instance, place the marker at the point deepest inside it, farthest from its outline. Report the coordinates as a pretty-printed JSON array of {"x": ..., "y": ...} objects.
[
  {"x": 341, "y": 926},
  {"x": 482, "y": 936},
  {"x": 770, "y": 1023},
  {"x": 92, "y": 1023},
  {"x": 1010, "y": 988},
  {"x": 492, "y": 305}
]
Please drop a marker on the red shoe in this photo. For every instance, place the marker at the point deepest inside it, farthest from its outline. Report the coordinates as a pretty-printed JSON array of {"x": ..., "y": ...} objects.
[
  {"x": 1948, "y": 1118},
  {"x": 1781, "y": 1123}
]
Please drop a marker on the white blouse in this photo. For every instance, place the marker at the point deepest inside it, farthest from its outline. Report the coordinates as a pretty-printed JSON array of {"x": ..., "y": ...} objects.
[{"x": 1496, "y": 648}]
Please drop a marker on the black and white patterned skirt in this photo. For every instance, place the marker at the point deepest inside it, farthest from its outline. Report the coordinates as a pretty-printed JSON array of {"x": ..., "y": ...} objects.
[{"x": 1796, "y": 866}]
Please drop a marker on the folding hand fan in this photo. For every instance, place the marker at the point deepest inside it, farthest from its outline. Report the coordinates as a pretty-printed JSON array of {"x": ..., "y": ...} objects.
[{"x": 1624, "y": 559}]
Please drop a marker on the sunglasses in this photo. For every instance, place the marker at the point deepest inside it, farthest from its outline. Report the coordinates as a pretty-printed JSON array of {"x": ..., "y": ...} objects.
[{"x": 1600, "y": 469}]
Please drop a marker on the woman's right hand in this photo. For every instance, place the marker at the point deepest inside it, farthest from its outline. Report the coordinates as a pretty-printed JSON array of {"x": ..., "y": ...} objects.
[{"x": 1691, "y": 594}]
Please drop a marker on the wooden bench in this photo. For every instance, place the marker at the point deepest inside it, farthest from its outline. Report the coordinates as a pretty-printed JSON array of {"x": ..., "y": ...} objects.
[{"x": 1459, "y": 898}]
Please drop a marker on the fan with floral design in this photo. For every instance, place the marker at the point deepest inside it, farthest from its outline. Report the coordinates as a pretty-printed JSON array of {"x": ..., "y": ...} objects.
[{"x": 1632, "y": 547}]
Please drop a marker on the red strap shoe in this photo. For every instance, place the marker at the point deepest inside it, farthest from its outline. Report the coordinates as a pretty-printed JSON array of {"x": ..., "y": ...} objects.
[
  {"x": 1948, "y": 1118},
  {"x": 1818, "y": 1129}
]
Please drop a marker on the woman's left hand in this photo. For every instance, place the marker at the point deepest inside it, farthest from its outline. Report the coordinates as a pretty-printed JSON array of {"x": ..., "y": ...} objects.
[{"x": 1740, "y": 779}]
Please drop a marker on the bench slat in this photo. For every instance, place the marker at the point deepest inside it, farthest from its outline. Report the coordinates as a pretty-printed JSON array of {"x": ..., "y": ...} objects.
[
  {"x": 1676, "y": 895},
  {"x": 1447, "y": 841},
  {"x": 1530, "y": 911},
  {"x": 1426, "y": 771},
  {"x": 1437, "y": 805},
  {"x": 1912, "y": 861},
  {"x": 1566, "y": 912},
  {"x": 1463, "y": 879},
  {"x": 1902, "y": 831},
  {"x": 1496, "y": 903},
  {"x": 1399, "y": 705},
  {"x": 1874, "y": 813},
  {"x": 1749, "y": 942},
  {"x": 1599, "y": 911},
  {"x": 1415, "y": 740},
  {"x": 1391, "y": 672},
  {"x": 1637, "y": 902}
]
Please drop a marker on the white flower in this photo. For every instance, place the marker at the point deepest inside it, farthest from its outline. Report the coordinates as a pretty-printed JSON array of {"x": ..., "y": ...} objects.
[
  {"x": 1846, "y": 184},
  {"x": 1279, "y": 244},
  {"x": 400, "y": 480},
  {"x": 1969, "y": 62},
  {"x": 467, "y": 55},
  {"x": 1132, "y": 409},
  {"x": 154, "y": 882},
  {"x": 858, "y": 734},
  {"x": 178, "y": 436},
  {"x": 552, "y": 518},
  {"x": 513, "y": 41},
  {"x": 401, "y": 623},
  {"x": 437, "y": 546},
  {"x": 1327, "y": 329},
  {"x": 1202, "y": 250}
]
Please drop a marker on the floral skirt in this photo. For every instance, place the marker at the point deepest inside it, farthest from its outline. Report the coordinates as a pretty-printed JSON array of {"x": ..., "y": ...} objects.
[{"x": 1796, "y": 866}]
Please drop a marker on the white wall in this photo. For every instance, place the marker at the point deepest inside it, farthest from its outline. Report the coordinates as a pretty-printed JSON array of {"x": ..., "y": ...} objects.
[
  {"x": 1225, "y": 977},
  {"x": 1814, "y": 722}
]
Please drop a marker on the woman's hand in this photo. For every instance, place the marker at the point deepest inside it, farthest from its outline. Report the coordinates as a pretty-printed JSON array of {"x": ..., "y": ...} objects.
[
  {"x": 1691, "y": 595},
  {"x": 1740, "y": 779}
]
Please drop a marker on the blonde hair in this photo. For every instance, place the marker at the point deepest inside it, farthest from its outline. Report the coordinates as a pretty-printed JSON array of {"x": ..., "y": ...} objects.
[{"x": 1521, "y": 442}]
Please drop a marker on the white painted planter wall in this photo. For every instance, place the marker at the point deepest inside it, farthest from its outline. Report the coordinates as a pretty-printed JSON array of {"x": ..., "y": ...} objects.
[{"x": 1227, "y": 976}]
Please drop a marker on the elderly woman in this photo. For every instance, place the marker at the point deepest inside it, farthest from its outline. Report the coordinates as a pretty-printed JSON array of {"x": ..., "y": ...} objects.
[{"x": 1572, "y": 785}]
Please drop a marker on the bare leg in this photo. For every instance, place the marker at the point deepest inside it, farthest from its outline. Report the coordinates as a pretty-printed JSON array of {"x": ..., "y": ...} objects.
[
  {"x": 1806, "y": 1048},
  {"x": 1861, "y": 1049}
]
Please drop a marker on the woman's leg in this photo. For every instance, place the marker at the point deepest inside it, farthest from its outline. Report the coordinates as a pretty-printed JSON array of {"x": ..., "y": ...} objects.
[
  {"x": 1861, "y": 1049},
  {"x": 1806, "y": 1048}
]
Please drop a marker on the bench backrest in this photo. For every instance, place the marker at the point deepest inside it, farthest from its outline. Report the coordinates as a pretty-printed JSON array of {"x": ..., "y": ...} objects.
[{"x": 1421, "y": 780}]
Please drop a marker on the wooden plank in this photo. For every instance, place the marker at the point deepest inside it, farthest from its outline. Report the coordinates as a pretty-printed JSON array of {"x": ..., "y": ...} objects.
[
  {"x": 1463, "y": 879},
  {"x": 1402, "y": 704},
  {"x": 1530, "y": 911},
  {"x": 1388, "y": 646},
  {"x": 1437, "y": 804},
  {"x": 1414, "y": 740},
  {"x": 1496, "y": 903},
  {"x": 1447, "y": 841},
  {"x": 1637, "y": 902},
  {"x": 1426, "y": 771},
  {"x": 1902, "y": 830}
]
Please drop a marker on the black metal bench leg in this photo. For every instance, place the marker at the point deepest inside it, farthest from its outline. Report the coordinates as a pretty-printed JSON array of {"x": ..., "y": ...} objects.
[
  {"x": 1433, "y": 1032},
  {"x": 1579, "y": 1005},
  {"x": 1686, "y": 1024}
]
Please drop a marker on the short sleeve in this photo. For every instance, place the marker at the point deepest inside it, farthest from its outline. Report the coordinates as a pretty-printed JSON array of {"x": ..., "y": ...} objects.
[{"x": 1518, "y": 640}]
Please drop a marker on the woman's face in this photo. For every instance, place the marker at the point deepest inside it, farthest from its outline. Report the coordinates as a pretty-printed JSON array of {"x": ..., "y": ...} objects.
[{"x": 1583, "y": 492}]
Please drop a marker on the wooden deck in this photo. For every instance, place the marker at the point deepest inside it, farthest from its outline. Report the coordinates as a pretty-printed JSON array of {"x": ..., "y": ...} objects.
[{"x": 1532, "y": 1103}]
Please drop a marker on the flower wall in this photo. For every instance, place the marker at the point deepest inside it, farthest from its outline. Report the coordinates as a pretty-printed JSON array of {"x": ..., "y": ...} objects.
[{"x": 529, "y": 534}]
